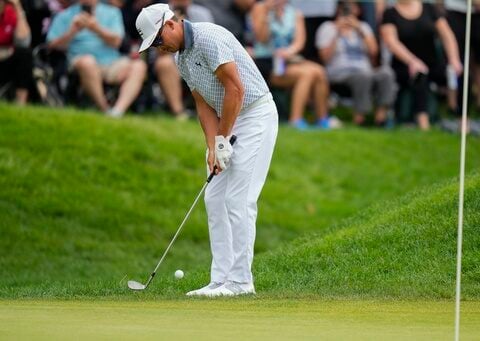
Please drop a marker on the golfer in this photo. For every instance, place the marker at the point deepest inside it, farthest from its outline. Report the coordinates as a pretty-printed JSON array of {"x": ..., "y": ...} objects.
[{"x": 231, "y": 98}]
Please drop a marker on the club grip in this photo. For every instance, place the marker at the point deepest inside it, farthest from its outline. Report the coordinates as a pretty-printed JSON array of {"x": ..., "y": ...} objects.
[{"x": 233, "y": 138}]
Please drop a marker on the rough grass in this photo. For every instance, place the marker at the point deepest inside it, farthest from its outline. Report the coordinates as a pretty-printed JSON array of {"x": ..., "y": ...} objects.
[
  {"x": 403, "y": 249},
  {"x": 85, "y": 200}
]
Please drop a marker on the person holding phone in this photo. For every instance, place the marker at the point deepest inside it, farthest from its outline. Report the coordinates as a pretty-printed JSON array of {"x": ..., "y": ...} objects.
[
  {"x": 91, "y": 32},
  {"x": 349, "y": 50},
  {"x": 15, "y": 56}
]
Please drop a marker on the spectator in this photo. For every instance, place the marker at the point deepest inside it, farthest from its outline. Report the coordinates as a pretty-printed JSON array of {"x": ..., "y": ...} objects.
[
  {"x": 230, "y": 14},
  {"x": 36, "y": 11},
  {"x": 54, "y": 7},
  {"x": 316, "y": 12},
  {"x": 409, "y": 30},
  {"x": 15, "y": 56},
  {"x": 91, "y": 33},
  {"x": 130, "y": 10},
  {"x": 165, "y": 68},
  {"x": 456, "y": 16},
  {"x": 348, "y": 48},
  {"x": 280, "y": 35}
]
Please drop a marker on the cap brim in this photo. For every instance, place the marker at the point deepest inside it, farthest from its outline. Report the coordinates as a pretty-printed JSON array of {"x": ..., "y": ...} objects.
[{"x": 147, "y": 42}]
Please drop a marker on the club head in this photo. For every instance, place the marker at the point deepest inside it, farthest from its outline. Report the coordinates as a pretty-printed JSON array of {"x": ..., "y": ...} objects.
[{"x": 133, "y": 285}]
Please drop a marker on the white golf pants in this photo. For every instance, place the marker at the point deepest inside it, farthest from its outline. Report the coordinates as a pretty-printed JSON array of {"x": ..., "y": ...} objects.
[{"x": 231, "y": 197}]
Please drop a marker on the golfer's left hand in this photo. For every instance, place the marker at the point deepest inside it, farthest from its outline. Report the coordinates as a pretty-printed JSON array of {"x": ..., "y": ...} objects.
[{"x": 223, "y": 152}]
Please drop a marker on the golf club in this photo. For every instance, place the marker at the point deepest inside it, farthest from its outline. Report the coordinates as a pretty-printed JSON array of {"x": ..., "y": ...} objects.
[{"x": 134, "y": 285}]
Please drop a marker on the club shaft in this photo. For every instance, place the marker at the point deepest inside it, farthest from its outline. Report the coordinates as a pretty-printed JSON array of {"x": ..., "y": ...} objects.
[
  {"x": 178, "y": 232},
  {"x": 233, "y": 138}
]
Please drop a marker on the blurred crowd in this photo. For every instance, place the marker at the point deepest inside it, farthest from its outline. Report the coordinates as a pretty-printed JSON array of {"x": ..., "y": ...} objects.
[{"x": 384, "y": 61}]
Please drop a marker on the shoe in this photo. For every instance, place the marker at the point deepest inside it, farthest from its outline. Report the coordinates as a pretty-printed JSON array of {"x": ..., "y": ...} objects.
[
  {"x": 323, "y": 123},
  {"x": 329, "y": 122},
  {"x": 182, "y": 116},
  {"x": 299, "y": 124},
  {"x": 114, "y": 113},
  {"x": 334, "y": 122},
  {"x": 205, "y": 289},
  {"x": 232, "y": 289},
  {"x": 451, "y": 126}
]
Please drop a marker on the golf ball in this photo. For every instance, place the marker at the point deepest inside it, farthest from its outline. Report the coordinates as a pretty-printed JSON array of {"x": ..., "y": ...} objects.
[{"x": 178, "y": 274}]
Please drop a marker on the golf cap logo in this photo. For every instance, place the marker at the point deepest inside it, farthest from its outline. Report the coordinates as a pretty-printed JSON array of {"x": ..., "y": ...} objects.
[{"x": 220, "y": 146}]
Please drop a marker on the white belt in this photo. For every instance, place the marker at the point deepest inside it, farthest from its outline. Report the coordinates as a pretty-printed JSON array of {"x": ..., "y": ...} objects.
[{"x": 262, "y": 100}]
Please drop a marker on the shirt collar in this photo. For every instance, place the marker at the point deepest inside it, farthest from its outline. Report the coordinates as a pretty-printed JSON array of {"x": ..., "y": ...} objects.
[{"x": 188, "y": 34}]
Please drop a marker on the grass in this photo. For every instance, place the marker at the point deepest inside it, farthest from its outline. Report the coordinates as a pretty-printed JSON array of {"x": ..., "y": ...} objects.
[
  {"x": 404, "y": 249},
  {"x": 235, "y": 319},
  {"x": 353, "y": 213}
]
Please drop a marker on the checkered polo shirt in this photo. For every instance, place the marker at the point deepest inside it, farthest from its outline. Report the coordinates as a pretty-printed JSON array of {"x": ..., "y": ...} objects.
[{"x": 207, "y": 46}]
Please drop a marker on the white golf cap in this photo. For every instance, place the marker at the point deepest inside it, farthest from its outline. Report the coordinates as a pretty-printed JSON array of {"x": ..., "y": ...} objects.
[{"x": 149, "y": 22}]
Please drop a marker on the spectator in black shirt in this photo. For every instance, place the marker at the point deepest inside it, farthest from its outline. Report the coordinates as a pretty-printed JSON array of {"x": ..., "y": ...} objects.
[{"x": 409, "y": 30}]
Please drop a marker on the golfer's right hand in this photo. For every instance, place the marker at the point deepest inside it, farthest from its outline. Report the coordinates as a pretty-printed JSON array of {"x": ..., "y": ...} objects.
[
  {"x": 223, "y": 151},
  {"x": 211, "y": 160}
]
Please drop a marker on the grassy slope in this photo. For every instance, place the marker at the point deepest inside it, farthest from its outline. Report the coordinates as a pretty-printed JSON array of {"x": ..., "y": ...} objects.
[
  {"x": 402, "y": 249},
  {"x": 85, "y": 199}
]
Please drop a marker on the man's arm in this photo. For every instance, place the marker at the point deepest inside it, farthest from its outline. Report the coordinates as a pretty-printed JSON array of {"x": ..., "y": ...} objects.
[
  {"x": 228, "y": 75},
  {"x": 55, "y": 39},
  {"x": 209, "y": 122},
  {"x": 79, "y": 22},
  {"x": 110, "y": 38}
]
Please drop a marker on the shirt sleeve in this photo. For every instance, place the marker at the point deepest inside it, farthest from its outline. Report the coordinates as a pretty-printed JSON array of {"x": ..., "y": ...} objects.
[
  {"x": 389, "y": 16},
  {"x": 115, "y": 23},
  {"x": 432, "y": 12},
  {"x": 366, "y": 29},
  {"x": 216, "y": 51},
  {"x": 8, "y": 22},
  {"x": 325, "y": 35},
  {"x": 59, "y": 27}
]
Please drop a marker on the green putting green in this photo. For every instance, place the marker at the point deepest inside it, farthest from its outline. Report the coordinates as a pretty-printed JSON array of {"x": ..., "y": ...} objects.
[{"x": 242, "y": 319}]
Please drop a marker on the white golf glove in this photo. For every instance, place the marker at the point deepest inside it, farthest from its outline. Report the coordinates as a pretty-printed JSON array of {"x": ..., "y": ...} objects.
[{"x": 223, "y": 151}]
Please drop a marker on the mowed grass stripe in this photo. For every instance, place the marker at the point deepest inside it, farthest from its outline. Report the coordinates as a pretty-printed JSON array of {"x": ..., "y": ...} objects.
[{"x": 237, "y": 319}]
